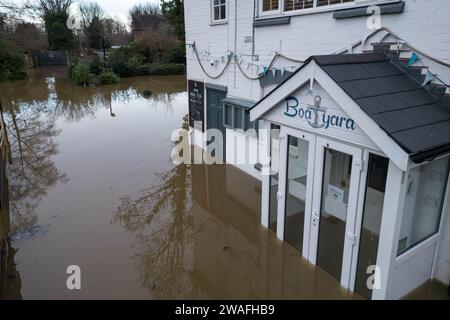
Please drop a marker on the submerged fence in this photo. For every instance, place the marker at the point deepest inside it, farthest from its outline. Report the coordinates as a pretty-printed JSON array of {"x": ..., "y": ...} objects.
[{"x": 51, "y": 58}]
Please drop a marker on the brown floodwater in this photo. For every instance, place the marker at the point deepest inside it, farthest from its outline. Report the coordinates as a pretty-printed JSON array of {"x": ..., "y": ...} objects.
[{"x": 91, "y": 184}]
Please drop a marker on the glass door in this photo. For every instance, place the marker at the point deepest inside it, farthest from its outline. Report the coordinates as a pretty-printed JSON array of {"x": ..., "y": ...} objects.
[
  {"x": 296, "y": 186},
  {"x": 334, "y": 210}
]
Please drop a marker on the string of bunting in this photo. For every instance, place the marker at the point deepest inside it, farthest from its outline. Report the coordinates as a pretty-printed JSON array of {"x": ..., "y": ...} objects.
[
  {"x": 429, "y": 77},
  {"x": 214, "y": 61}
]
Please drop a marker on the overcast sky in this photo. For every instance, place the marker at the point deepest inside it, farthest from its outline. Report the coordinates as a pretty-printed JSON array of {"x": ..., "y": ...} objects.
[
  {"x": 117, "y": 8},
  {"x": 120, "y": 8}
]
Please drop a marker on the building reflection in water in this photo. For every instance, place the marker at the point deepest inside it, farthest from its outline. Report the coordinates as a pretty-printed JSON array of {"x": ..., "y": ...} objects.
[
  {"x": 199, "y": 236},
  {"x": 237, "y": 258}
]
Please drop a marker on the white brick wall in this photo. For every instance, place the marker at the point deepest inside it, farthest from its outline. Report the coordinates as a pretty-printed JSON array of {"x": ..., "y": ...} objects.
[
  {"x": 425, "y": 24},
  {"x": 442, "y": 269}
]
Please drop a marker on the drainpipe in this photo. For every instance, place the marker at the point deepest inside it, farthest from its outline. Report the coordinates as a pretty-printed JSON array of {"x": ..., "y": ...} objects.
[
  {"x": 253, "y": 30},
  {"x": 235, "y": 41}
]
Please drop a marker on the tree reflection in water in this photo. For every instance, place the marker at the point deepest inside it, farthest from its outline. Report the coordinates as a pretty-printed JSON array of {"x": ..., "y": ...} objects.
[
  {"x": 31, "y": 110},
  {"x": 162, "y": 220},
  {"x": 32, "y": 170}
]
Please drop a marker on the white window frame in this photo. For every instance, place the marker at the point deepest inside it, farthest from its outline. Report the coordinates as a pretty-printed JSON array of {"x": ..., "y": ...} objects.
[
  {"x": 219, "y": 21},
  {"x": 425, "y": 242},
  {"x": 316, "y": 9},
  {"x": 271, "y": 12}
]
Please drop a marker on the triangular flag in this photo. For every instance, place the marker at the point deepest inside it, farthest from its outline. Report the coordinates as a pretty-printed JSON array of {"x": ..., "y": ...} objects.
[
  {"x": 264, "y": 70},
  {"x": 282, "y": 71},
  {"x": 412, "y": 60},
  {"x": 274, "y": 73},
  {"x": 428, "y": 78}
]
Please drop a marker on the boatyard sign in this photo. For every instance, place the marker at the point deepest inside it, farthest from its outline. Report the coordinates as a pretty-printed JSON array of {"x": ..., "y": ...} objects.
[
  {"x": 316, "y": 115},
  {"x": 196, "y": 103}
]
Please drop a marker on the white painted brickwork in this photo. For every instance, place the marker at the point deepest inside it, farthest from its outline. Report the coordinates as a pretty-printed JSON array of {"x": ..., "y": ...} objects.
[
  {"x": 442, "y": 271},
  {"x": 425, "y": 24}
]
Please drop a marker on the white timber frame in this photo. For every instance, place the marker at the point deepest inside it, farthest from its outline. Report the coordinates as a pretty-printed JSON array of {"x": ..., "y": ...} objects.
[
  {"x": 316, "y": 9},
  {"x": 388, "y": 263}
]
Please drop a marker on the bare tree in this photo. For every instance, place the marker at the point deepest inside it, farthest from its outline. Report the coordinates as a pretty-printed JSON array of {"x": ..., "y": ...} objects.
[
  {"x": 90, "y": 11},
  {"x": 145, "y": 16},
  {"x": 29, "y": 37},
  {"x": 12, "y": 12},
  {"x": 54, "y": 6},
  {"x": 116, "y": 32},
  {"x": 92, "y": 16}
]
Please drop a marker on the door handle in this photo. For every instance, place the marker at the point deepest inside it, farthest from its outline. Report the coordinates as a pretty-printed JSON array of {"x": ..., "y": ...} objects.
[
  {"x": 352, "y": 237},
  {"x": 315, "y": 218}
]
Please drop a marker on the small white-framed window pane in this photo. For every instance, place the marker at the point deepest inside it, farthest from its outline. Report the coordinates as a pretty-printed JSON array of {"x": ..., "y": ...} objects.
[
  {"x": 425, "y": 192},
  {"x": 219, "y": 10},
  {"x": 321, "y": 3},
  {"x": 238, "y": 118},
  {"x": 228, "y": 119},
  {"x": 290, "y": 5},
  {"x": 223, "y": 12},
  {"x": 270, "y": 5},
  {"x": 216, "y": 13}
]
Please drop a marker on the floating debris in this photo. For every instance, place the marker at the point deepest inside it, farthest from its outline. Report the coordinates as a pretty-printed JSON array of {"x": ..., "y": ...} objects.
[{"x": 147, "y": 94}]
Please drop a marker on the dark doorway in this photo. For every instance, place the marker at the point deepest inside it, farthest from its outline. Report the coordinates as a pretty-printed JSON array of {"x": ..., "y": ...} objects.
[{"x": 214, "y": 110}]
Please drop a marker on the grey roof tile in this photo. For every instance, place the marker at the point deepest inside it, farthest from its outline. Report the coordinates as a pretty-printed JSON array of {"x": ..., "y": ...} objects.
[
  {"x": 414, "y": 118},
  {"x": 344, "y": 72},
  {"x": 381, "y": 69},
  {"x": 411, "y": 115}
]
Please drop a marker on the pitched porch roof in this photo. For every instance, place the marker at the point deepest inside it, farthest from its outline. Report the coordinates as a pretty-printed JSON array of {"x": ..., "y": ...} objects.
[{"x": 409, "y": 114}]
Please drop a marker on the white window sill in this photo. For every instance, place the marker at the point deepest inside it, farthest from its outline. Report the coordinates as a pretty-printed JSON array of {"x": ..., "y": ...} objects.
[
  {"x": 218, "y": 22},
  {"x": 329, "y": 8}
]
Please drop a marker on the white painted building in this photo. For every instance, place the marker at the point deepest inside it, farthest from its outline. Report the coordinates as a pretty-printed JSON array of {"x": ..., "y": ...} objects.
[{"x": 374, "y": 177}]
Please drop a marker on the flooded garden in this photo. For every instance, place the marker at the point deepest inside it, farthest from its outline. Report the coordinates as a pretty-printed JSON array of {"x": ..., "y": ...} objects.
[{"x": 90, "y": 183}]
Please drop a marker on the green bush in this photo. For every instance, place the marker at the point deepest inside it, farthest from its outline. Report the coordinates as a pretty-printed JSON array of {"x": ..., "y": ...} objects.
[
  {"x": 108, "y": 77},
  {"x": 95, "y": 66},
  {"x": 160, "y": 69},
  {"x": 176, "y": 55},
  {"x": 61, "y": 37},
  {"x": 80, "y": 73},
  {"x": 12, "y": 62},
  {"x": 125, "y": 62}
]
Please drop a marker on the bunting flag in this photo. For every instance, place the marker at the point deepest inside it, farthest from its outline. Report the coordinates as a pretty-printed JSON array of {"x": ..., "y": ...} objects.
[
  {"x": 428, "y": 78},
  {"x": 412, "y": 60},
  {"x": 282, "y": 72},
  {"x": 274, "y": 73},
  {"x": 264, "y": 70}
]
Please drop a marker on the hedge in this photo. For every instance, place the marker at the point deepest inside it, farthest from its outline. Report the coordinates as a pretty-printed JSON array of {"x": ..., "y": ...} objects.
[{"x": 163, "y": 69}]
